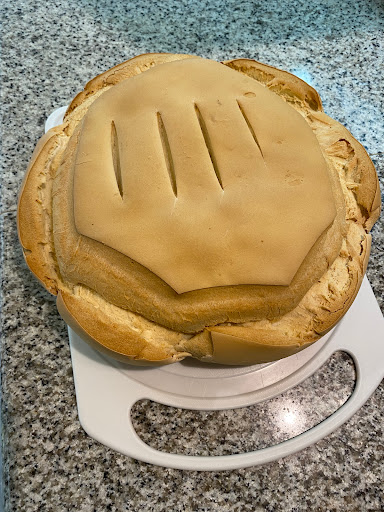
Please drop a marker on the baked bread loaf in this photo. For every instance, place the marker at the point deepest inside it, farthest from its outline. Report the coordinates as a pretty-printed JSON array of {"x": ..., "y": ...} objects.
[{"x": 190, "y": 208}]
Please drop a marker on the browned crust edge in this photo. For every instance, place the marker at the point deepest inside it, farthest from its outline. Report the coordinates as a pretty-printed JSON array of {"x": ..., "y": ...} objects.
[
  {"x": 276, "y": 79},
  {"x": 35, "y": 234},
  {"x": 115, "y": 336}
]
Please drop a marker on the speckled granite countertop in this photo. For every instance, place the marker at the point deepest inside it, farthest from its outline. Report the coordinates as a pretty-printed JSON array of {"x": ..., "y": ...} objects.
[{"x": 49, "y": 50}]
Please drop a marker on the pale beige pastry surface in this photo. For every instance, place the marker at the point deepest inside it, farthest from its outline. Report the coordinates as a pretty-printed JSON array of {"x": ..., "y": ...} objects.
[
  {"x": 228, "y": 199},
  {"x": 293, "y": 177}
]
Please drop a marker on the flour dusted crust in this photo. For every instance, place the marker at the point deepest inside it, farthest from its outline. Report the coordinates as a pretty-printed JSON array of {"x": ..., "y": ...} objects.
[{"x": 126, "y": 310}]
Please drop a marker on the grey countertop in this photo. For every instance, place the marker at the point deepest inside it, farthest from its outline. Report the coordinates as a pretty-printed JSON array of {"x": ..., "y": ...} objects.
[{"x": 49, "y": 50}]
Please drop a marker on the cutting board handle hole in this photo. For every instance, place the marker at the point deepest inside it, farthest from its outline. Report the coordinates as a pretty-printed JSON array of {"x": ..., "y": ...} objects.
[{"x": 248, "y": 428}]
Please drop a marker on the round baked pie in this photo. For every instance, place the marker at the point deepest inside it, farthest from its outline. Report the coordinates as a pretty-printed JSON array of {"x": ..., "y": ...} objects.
[{"x": 190, "y": 208}]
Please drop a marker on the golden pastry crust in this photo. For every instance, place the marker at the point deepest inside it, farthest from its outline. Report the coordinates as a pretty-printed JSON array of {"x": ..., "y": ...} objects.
[{"x": 129, "y": 312}]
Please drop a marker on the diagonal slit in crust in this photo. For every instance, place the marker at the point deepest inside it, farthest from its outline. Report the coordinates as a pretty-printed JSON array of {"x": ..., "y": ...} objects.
[
  {"x": 116, "y": 158},
  {"x": 250, "y": 127},
  {"x": 167, "y": 153},
  {"x": 208, "y": 143}
]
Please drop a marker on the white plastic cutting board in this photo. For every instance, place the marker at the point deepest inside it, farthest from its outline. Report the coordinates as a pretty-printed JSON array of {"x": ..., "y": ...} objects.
[{"x": 106, "y": 390}]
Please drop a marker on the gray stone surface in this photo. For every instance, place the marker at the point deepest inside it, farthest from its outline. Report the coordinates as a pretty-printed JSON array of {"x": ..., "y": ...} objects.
[{"x": 49, "y": 50}]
